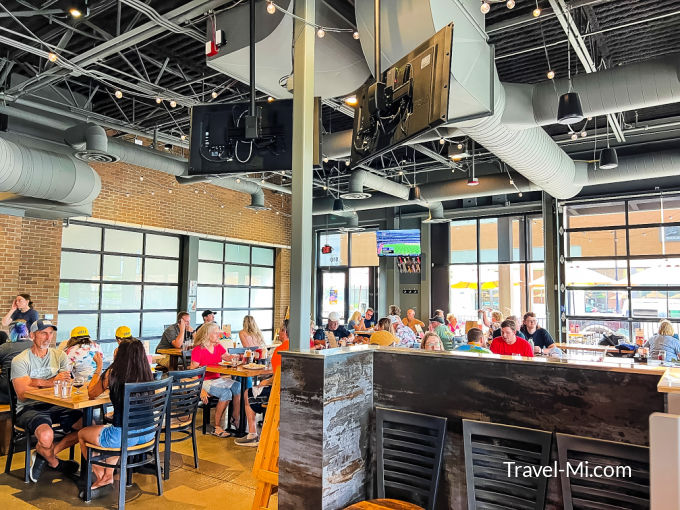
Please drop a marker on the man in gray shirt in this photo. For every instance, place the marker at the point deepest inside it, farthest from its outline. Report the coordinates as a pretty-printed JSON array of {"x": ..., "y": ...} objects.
[
  {"x": 39, "y": 367},
  {"x": 174, "y": 336}
]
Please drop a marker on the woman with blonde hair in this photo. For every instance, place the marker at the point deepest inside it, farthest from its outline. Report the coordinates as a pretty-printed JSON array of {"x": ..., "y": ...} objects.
[
  {"x": 664, "y": 342},
  {"x": 251, "y": 336},
  {"x": 354, "y": 320}
]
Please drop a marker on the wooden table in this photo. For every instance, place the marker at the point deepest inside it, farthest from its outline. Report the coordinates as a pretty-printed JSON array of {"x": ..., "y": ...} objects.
[
  {"x": 174, "y": 354},
  {"x": 239, "y": 372},
  {"x": 77, "y": 401},
  {"x": 383, "y": 504},
  {"x": 364, "y": 333}
]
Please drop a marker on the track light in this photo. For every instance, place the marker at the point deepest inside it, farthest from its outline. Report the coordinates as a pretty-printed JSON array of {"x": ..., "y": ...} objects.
[
  {"x": 485, "y": 7},
  {"x": 271, "y": 8},
  {"x": 320, "y": 33},
  {"x": 118, "y": 94},
  {"x": 569, "y": 110},
  {"x": 608, "y": 158},
  {"x": 270, "y": 99},
  {"x": 356, "y": 35},
  {"x": 510, "y": 4},
  {"x": 52, "y": 57},
  {"x": 351, "y": 100}
]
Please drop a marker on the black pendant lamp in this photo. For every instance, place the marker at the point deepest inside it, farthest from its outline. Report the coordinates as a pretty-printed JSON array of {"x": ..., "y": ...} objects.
[
  {"x": 569, "y": 110},
  {"x": 338, "y": 205},
  {"x": 608, "y": 157}
]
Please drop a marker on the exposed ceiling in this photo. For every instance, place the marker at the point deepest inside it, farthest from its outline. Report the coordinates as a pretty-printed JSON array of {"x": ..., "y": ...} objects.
[{"x": 172, "y": 66}]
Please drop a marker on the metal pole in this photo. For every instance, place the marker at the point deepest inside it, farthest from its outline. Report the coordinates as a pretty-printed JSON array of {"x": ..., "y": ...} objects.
[
  {"x": 303, "y": 176},
  {"x": 252, "y": 58},
  {"x": 376, "y": 34}
]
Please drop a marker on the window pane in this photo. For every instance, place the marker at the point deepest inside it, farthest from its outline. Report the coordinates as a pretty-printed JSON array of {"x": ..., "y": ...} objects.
[
  {"x": 236, "y": 297},
  {"x": 163, "y": 246},
  {"x": 160, "y": 297},
  {"x": 123, "y": 241},
  {"x": 261, "y": 298},
  {"x": 236, "y": 275},
  {"x": 263, "y": 318},
  {"x": 655, "y": 241},
  {"x": 597, "y": 243},
  {"x": 125, "y": 269},
  {"x": 597, "y": 302},
  {"x": 209, "y": 250},
  {"x": 488, "y": 240},
  {"x": 235, "y": 319},
  {"x": 596, "y": 272},
  {"x": 78, "y": 296},
  {"x": 262, "y": 277},
  {"x": 153, "y": 323},
  {"x": 592, "y": 330},
  {"x": 655, "y": 272},
  {"x": 161, "y": 271},
  {"x": 648, "y": 329},
  {"x": 237, "y": 253},
  {"x": 646, "y": 210},
  {"x": 364, "y": 252},
  {"x": 263, "y": 256},
  {"x": 536, "y": 249},
  {"x": 463, "y": 241},
  {"x": 267, "y": 336},
  {"x": 503, "y": 287},
  {"x": 121, "y": 297},
  {"x": 209, "y": 297},
  {"x": 463, "y": 291},
  {"x": 111, "y": 321},
  {"x": 79, "y": 266},
  {"x": 68, "y": 321},
  {"x": 536, "y": 283},
  {"x": 359, "y": 284},
  {"x": 82, "y": 237},
  {"x": 333, "y": 249},
  {"x": 650, "y": 303},
  {"x": 515, "y": 229},
  {"x": 607, "y": 214},
  {"x": 209, "y": 273}
]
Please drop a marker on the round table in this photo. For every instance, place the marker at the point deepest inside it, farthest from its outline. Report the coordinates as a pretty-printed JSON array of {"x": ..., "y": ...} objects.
[{"x": 383, "y": 504}]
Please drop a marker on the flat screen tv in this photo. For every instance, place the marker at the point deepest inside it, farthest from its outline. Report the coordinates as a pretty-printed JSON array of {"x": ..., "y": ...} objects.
[
  {"x": 219, "y": 145},
  {"x": 411, "y": 97},
  {"x": 398, "y": 243}
]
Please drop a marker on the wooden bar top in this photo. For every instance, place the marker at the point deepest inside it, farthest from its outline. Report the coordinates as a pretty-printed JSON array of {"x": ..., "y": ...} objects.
[
  {"x": 670, "y": 382},
  {"x": 75, "y": 401}
]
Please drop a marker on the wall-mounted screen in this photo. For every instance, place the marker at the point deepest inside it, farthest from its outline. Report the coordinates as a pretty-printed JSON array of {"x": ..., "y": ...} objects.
[{"x": 394, "y": 243}]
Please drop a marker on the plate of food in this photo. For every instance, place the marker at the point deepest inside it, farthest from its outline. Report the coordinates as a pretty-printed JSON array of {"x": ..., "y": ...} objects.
[{"x": 253, "y": 366}]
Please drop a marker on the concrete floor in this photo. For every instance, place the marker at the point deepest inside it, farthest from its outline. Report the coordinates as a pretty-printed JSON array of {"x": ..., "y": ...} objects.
[{"x": 223, "y": 480}]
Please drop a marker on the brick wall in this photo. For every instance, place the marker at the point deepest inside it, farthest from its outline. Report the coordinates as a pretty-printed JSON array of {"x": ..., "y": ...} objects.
[{"x": 31, "y": 254}]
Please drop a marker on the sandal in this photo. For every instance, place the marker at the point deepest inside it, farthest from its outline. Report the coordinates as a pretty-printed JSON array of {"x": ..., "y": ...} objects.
[{"x": 223, "y": 433}]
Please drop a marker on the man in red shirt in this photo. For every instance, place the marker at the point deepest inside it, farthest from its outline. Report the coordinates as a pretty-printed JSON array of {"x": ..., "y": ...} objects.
[{"x": 510, "y": 343}]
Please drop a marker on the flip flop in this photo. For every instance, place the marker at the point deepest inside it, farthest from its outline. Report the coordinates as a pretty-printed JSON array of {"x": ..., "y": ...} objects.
[{"x": 224, "y": 433}]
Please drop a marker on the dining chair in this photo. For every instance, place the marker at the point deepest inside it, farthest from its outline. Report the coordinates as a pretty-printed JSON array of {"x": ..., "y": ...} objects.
[
  {"x": 487, "y": 447},
  {"x": 180, "y": 420},
  {"x": 623, "y": 481},
  {"x": 22, "y": 439},
  {"x": 144, "y": 408}
]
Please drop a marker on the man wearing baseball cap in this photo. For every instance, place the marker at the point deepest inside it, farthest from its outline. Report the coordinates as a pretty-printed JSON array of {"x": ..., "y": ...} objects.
[
  {"x": 208, "y": 316},
  {"x": 39, "y": 367},
  {"x": 333, "y": 326},
  {"x": 438, "y": 327}
]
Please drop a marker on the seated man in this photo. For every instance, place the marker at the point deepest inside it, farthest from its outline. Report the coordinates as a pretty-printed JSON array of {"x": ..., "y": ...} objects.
[
  {"x": 411, "y": 321},
  {"x": 475, "y": 342},
  {"x": 174, "y": 336},
  {"x": 368, "y": 321},
  {"x": 510, "y": 343},
  {"x": 438, "y": 326},
  {"x": 543, "y": 342},
  {"x": 39, "y": 367},
  {"x": 333, "y": 326}
]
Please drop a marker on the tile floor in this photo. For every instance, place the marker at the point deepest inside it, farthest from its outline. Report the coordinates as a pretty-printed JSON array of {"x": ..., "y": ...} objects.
[{"x": 223, "y": 480}]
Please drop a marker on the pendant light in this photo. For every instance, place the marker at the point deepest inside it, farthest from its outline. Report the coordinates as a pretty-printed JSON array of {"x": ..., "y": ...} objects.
[
  {"x": 472, "y": 180},
  {"x": 569, "y": 110},
  {"x": 608, "y": 157}
]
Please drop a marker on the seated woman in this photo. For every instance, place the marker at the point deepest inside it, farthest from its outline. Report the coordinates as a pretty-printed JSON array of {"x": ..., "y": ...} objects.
[
  {"x": 355, "y": 320},
  {"x": 251, "y": 336},
  {"x": 80, "y": 352},
  {"x": 405, "y": 335},
  {"x": 452, "y": 323},
  {"x": 129, "y": 366},
  {"x": 382, "y": 335},
  {"x": 208, "y": 351},
  {"x": 431, "y": 342},
  {"x": 664, "y": 341}
]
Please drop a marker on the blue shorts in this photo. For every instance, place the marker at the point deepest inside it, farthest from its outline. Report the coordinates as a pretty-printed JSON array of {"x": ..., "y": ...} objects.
[
  {"x": 110, "y": 437},
  {"x": 223, "y": 389}
]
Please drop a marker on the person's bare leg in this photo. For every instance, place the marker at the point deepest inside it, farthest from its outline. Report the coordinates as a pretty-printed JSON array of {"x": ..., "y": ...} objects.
[
  {"x": 45, "y": 444},
  {"x": 104, "y": 476},
  {"x": 236, "y": 407},
  {"x": 220, "y": 409},
  {"x": 252, "y": 419}
]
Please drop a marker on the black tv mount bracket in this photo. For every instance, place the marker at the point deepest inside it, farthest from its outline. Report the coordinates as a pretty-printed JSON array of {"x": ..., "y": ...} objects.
[{"x": 253, "y": 121}]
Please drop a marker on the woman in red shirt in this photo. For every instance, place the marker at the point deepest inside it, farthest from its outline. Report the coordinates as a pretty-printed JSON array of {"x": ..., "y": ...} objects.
[{"x": 208, "y": 351}]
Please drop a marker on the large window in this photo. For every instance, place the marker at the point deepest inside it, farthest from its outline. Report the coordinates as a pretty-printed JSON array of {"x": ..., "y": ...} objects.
[
  {"x": 235, "y": 280},
  {"x": 114, "y": 276},
  {"x": 497, "y": 263},
  {"x": 622, "y": 266}
]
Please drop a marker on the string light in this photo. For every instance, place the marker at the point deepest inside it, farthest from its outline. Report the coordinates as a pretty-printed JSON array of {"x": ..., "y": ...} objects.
[
  {"x": 510, "y": 4},
  {"x": 76, "y": 13},
  {"x": 574, "y": 136},
  {"x": 173, "y": 104},
  {"x": 356, "y": 35},
  {"x": 460, "y": 146},
  {"x": 536, "y": 12},
  {"x": 347, "y": 163},
  {"x": 183, "y": 137},
  {"x": 141, "y": 178},
  {"x": 351, "y": 101},
  {"x": 52, "y": 57},
  {"x": 159, "y": 100},
  {"x": 584, "y": 133},
  {"x": 214, "y": 94},
  {"x": 485, "y": 7},
  {"x": 320, "y": 33},
  {"x": 118, "y": 94},
  {"x": 441, "y": 141},
  {"x": 270, "y": 99},
  {"x": 271, "y": 8},
  {"x": 325, "y": 160},
  {"x": 551, "y": 74}
]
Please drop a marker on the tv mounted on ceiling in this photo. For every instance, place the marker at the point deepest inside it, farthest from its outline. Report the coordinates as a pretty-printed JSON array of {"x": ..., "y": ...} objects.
[
  {"x": 396, "y": 243},
  {"x": 411, "y": 97}
]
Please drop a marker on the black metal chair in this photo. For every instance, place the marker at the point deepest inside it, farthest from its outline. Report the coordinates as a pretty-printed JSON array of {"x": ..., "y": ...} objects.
[
  {"x": 410, "y": 449},
  {"x": 603, "y": 474},
  {"x": 144, "y": 408},
  {"x": 22, "y": 440},
  {"x": 186, "y": 359},
  {"x": 490, "y": 484},
  {"x": 180, "y": 419}
]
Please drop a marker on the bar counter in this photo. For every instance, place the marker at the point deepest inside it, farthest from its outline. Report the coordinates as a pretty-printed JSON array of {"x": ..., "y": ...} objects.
[{"x": 328, "y": 462}]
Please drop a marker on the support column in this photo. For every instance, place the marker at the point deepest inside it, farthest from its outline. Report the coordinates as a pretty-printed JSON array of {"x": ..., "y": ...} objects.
[
  {"x": 426, "y": 273},
  {"x": 551, "y": 239},
  {"x": 439, "y": 268},
  {"x": 187, "y": 290},
  {"x": 303, "y": 159}
]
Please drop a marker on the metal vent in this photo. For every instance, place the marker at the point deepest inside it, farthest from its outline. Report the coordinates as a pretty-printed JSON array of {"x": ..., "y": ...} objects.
[
  {"x": 355, "y": 195},
  {"x": 96, "y": 156}
]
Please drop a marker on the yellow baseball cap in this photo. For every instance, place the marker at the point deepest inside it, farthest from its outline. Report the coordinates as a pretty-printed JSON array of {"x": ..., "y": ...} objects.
[
  {"x": 123, "y": 332},
  {"x": 79, "y": 331}
]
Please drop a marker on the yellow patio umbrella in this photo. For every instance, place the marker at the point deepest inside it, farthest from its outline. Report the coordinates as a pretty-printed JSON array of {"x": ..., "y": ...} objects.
[{"x": 464, "y": 285}]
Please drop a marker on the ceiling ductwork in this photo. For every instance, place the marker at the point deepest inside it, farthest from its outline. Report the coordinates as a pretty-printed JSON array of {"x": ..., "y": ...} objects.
[
  {"x": 361, "y": 178},
  {"x": 90, "y": 142},
  {"x": 38, "y": 173},
  {"x": 339, "y": 65},
  {"x": 243, "y": 186}
]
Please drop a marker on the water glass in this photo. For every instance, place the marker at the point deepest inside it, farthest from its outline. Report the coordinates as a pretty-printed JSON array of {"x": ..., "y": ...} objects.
[
  {"x": 662, "y": 357},
  {"x": 57, "y": 388},
  {"x": 66, "y": 388}
]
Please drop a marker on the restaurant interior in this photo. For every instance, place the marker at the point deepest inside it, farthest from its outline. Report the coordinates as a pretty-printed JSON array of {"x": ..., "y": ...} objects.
[{"x": 340, "y": 254}]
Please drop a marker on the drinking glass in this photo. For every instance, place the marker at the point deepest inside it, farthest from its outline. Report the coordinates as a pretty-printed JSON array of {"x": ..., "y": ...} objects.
[
  {"x": 78, "y": 382},
  {"x": 662, "y": 357}
]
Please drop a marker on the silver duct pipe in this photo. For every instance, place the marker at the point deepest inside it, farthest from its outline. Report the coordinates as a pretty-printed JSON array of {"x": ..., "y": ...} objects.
[
  {"x": 147, "y": 157},
  {"x": 243, "y": 186},
  {"x": 47, "y": 175},
  {"x": 361, "y": 178},
  {"x": 637, "y": 167},
  {"x": 90, "y": 142}
]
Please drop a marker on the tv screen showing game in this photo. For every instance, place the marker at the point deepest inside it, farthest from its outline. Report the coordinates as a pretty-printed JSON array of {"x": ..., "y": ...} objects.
[{"x": 396, "y": 243}]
